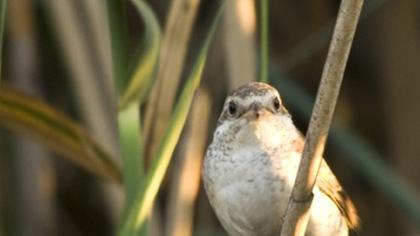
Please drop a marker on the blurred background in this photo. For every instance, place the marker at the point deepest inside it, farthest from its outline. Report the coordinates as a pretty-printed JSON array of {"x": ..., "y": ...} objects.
[{"x": 60, "y": 52}]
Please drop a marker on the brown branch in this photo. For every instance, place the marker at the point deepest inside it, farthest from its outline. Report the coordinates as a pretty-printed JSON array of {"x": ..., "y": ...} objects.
[
  {"x": 297, "y": 214},
  {"x": 239, "y": 40},
  {"x": 185, "y": 178},
  {"x": 172, "y": 57}
]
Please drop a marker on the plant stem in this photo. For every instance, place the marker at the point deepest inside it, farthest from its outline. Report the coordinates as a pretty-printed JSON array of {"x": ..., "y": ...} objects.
[
  {"x": 3, "y": 7},
  {"x": 118, "y": 31},
  {"x": 297, "y": 214},
  {"x": 264, "y": 41}
]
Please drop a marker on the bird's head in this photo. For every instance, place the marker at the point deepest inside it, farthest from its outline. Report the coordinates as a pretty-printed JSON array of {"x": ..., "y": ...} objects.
[
  {"x": 252, "y": 102},
  {"x": 254, "y": 109}
]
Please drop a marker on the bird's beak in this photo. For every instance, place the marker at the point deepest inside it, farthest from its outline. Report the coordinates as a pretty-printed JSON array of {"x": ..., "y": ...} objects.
[{"x": 254, "y": 112}]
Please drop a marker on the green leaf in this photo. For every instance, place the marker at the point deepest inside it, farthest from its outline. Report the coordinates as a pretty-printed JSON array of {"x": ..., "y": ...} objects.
[
  {"x": 118, "y": 32},
  {"x": 129, "y": 103},
  {"x": 144, "y": 202},
  {"x": 264, "y": 41},
  {"x": 143, "y": 75},
  {"x": 129, "y": 133},
  {"x": 29, "y": 115}
]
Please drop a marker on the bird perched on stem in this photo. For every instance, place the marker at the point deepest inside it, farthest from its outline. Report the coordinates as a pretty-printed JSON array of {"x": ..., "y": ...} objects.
[{"x": 251, "y": 164}]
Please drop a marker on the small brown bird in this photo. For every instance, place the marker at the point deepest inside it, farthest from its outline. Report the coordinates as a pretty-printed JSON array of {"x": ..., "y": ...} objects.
[{"x": 250, "y": 168}]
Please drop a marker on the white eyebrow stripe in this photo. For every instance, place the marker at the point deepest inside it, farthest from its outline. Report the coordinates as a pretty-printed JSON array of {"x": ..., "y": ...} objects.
[{"x": 265, "y": 99}]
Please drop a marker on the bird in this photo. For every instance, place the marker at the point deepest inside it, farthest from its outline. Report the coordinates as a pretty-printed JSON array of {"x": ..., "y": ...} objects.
[{"x": 250, "y": 167}]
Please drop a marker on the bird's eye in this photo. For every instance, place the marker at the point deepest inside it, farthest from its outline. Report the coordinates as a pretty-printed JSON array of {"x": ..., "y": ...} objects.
[
  {"x": 276, "y": 103},
  {"x": 232, "y": 108}
]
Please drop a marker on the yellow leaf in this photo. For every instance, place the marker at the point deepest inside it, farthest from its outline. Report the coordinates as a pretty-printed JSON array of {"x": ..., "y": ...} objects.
[{"x": 29, "y": 115}]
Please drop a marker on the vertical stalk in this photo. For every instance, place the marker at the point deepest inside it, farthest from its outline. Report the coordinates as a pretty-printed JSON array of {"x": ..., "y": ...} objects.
[
  {"x": 264, "y": 41},
  {"x": 3, "y": 7},
  {"x": 175, "y": 40},
  {"x": 297, "y": 214},
  {"x": 118, "y": 30},
  {"x": 184, "y": 189},
  {"x": 239, "y": 39}
]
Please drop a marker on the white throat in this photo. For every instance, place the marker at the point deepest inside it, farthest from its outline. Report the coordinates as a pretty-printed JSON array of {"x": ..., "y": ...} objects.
[{"x": 268, "y": 133}]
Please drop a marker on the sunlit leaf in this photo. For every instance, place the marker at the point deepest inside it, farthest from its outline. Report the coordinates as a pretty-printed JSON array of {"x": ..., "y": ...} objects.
[
  {"x": 178, "y": 26},
  {"x": 129, "y": 136},
  {"x": 146, "y": 196},
  {"x": 142, "y": 76},
  {"x": 128, "y": 116},
  {"x": 29, "y": 115}
]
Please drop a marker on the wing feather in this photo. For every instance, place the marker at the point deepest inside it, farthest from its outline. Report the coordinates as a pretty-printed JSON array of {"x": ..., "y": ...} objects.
[{"x": 330, "y": 186}]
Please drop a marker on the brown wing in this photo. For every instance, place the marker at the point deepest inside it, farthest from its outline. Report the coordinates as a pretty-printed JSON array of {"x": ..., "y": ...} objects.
[{"x": 328, "y": 184}]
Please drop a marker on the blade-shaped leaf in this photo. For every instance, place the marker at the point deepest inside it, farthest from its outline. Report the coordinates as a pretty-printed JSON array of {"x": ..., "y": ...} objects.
[
  {"x": 142, "y": 76},
  {"x": 118, "y": 31},
  {"x": 178, "y": 26},
  {"x": 129, "y": 133},
  {"x": 144, "y": 202},
  {"x": 128, "y": 117},
  {"x": 29, "y": 115}
]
